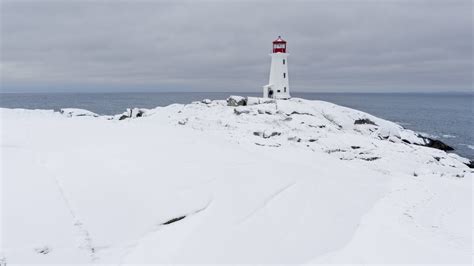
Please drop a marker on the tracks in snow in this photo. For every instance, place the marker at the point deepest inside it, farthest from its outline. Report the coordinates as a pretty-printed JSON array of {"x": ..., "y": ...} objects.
[{"x": 85, "y": 238}]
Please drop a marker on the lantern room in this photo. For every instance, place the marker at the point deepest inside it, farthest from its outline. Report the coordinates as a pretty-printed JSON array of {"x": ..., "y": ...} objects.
[{"x": 279, "y": 45}]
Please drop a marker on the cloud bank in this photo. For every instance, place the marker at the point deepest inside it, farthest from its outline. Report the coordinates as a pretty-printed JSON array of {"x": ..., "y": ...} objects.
[{"x": 350, "y": 46}]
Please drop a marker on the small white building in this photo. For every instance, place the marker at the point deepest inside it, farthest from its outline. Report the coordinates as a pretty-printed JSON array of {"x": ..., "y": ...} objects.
[{"x": 278, "y": 86}]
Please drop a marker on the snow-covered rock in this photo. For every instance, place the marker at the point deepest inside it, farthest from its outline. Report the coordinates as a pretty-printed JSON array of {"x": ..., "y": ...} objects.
[
  {"x": 256, "y": 100},
  {"x": 70, "y": 112},
  {"x": 236, "y": 101},
  {"x": 287, "y": 182},
  {"x": 132, "y": 113}
]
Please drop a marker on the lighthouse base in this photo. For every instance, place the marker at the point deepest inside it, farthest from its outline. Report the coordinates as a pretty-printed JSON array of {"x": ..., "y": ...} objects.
[{"x": 269, "y": 91}]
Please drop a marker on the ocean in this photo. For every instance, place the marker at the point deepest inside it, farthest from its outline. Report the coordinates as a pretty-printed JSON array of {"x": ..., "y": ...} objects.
[{"x": 444, "y": 116}]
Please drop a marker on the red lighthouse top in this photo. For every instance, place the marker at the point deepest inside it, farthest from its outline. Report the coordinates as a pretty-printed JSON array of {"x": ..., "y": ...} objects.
[{"x": 279, "y": 45}]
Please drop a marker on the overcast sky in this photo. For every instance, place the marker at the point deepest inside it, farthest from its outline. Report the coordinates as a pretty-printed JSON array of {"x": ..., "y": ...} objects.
[{"x": 340, "y": 46}]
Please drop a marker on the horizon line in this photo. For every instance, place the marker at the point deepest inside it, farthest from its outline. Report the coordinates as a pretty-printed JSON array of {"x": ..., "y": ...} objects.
[{"x": 230, "y": 92}]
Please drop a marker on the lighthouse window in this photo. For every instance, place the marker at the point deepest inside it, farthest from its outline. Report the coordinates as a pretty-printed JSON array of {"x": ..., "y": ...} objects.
[
  {"x": 284, "y": 75},
  {"x": 283, "y": 61},
  {"x": 284, "y": 89}
]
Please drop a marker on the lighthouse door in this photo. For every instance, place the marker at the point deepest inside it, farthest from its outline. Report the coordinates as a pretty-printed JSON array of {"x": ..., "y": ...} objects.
[{"x": 270, "y": 93}]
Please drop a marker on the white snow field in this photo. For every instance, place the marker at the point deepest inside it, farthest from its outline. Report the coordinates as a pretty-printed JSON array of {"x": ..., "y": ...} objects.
[{"x": 287, "y": 182}]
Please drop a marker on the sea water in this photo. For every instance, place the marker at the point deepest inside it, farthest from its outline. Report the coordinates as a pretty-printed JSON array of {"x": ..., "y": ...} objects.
[{"x": 445, "y": 116}]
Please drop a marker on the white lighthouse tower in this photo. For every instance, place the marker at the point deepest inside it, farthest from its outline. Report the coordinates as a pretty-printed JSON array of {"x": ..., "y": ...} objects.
[{"x": 278, "y": 85}]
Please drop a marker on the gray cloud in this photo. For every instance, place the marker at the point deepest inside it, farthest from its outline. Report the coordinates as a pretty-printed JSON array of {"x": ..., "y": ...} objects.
[{"x": 217, "y": 46}]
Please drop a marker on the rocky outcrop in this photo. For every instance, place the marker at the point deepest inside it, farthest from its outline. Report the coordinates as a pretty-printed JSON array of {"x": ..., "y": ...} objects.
[
  {"x": 70, "y": 112},
  {"x": 266, "y": 134},
  {"x": 470, "y": 164},
  {"x": 434, "y": 143},
  {"x": 364, "y": 121},
  {"x": 236, "y": 101},
  {"x": 132, "y": 113}
]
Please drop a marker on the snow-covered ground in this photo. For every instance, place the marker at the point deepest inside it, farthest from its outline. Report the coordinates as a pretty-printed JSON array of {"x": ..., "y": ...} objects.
[{"x": 292, "y": 181}]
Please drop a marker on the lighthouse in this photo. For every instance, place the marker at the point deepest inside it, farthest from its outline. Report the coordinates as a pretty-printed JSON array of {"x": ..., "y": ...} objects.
[{"x": 278, "y": 85}]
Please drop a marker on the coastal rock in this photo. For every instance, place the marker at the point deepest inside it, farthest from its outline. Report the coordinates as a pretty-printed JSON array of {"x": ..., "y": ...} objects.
[
  {"x": 70, "y": 112},
  {"x": 132, "y": 113},
  {"x": 470, "y": 164},
  {"x": 364, "y": 121},
  {"x": 434, "y": 143},
  {"x": 236, "y": 101}
]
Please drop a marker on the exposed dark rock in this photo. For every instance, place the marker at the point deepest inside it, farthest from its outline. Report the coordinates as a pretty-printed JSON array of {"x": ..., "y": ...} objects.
[
  {"x": 174, "y": 220},
  {"x": 330, "y": 119},
  {"x": 364, "y": 121},
  {"x": 266, "y": 135},
  {"x": 436, "y": 144},
  {"x": 132, "y": 113},
  {"x": 295, "y": 139},
  {"x": 345, "y": 159},
  {"x": 298, "y": 113},
  {"x": 236, "y": 101},
  {"x": 437, "y": 158},
  {"x": 369, "y": 158},
  {"x": 43, "y": 250},
  {"x": 406, "y": 141},
  {"x": 470, "y": 164},
  {"x": 355, "y": 147},
  {"x": 319, "y": 126},
  {"x": 335, "y": 150},
  {"x": 268, "y": 145},
  {"x": 312, "y": 140}
]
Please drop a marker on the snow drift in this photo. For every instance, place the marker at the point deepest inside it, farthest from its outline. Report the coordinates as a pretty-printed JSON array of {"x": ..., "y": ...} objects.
[{"x": 291, "y": 181}]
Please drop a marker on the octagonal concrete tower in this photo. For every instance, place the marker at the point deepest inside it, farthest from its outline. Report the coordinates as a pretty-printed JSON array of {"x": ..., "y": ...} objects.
[{"x": 278, "y": 85}]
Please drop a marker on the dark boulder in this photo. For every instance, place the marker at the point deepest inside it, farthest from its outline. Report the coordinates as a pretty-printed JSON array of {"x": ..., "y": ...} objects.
[
  {"x": 436, "y": 144},
  {"x": 470, "y": 164},
  {"x": 132, "y": 113},
  {"x": 174, "y": 220},
  {"x": 364, "y": 121},
  {"x": 236, "y": 101}
]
